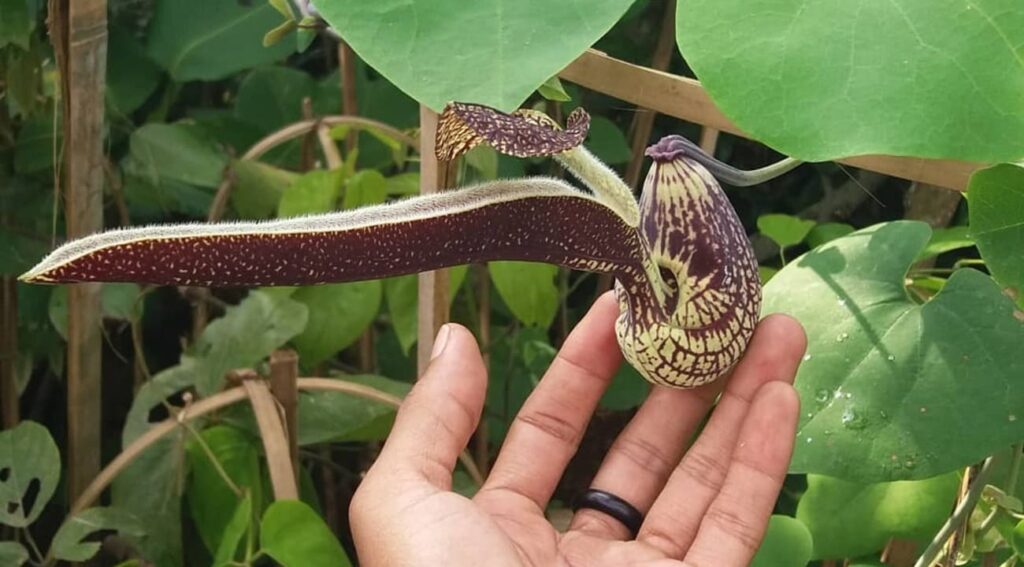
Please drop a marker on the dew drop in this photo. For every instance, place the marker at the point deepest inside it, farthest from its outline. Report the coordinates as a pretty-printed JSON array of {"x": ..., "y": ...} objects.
[
  {"x": 841, "y": 302},
  {"x": 822, "y": 396},
  {"x": 909, "y": 464},
  {"x": 807, "y": 357},
  {"x": 883, "y": 414},
  {"x": 924, "y": 409},
  {"x": 891, "y": 357},
  {"x": 852, "y": 419},
  {"x": 842, "y": 337},
  {"x": 1012, "y": 417},
  {"x": 809, "y": 439}
]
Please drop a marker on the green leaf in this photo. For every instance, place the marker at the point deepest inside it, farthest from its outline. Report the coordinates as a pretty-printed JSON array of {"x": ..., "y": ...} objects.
[
  {"x": 784, "y": 230},
  {"x": 827, "y": 232},
  {"x": 766, "y": 273},
  {"x": 259, "y": 188},
  {"x": 234, "y": 531},
  {"x": 16, "y": 24},
  {"x": 13, "y": 553},
  {"x": 271, "y": 97},
  {"x": 892, "y": 389},
  {"x": 117, "y": 301},
  {"x": 627, "y": 390},
  {"x": 996, "y": 200},
  {"x": 402, "y": 298},
  {"x": 276, "y": 35},
  {"x": 847, "y": 519},
  {"x": 211, "y": 501},
  {"x": 131, "y": 75},
  {"x": 529, "y": 290},
  {"x": 1018, "y": 539},
  {"x": 226, "y": 39},
  {"x": 404, "y": 184},
  {"x": 552, "y": 89},
  {"x": 328, "y": 416},
  {"x": 177, "y": 152},
  {"x": 787, "y": 543},
  {"x": 295, "y": 536},
  {"x": 823, "y": 80},
  {"x": 68, "y": 545},
  {"x": 366, "y": 187},
  {"x": 29, "y": 463},
  {"x": 946, "y": 240},
  {"x": 607, "y": 141},
  {"x": 35, "y": 146},
  {"x": 284, "y": 8},
  {"x": 312, "y": 193},
  {"x": 489, "y": 51},
  {"x": 338, "y": 314},
  {"x": 246, "y": 334}
]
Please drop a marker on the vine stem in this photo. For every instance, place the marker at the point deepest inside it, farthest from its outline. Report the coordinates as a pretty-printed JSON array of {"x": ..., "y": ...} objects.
[
  {"x": 221, "y": 400},
  {"x": 959, "y": 516}
]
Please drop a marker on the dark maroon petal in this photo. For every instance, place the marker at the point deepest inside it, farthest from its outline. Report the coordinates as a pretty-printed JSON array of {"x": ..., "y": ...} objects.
[
  {"x": 524, "y": 133},
  {"x": 408, "y": 237}
]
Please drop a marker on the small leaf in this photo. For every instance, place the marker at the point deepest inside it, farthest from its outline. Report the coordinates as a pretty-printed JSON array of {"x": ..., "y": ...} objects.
[
  {"x": 68, "y": 545},
  {"x": 827, "y": 232},
  {"x": 312, "y": 193},
  {"x": 295, "y": 536},
  {"x": 234, "y": 531},
  {"x": 552, "y": 89},
  {"x": 338, "y": 314},
  {"x": 259, "y": 188},
  {"x": 848, "y": 519},
  {"x": 946, "y": 240},
  {"x": 330, "y": 417},
  {"x": 529, "y": 290},
  {"x": 404, "y": 184},
  {"x": 131, "y": 75},
  {"x": 996, "y": 200},
  {"x": 211, "y": 501},
  {"x": 29, "y": 471},
  {"x": 607, "y": 141},
  {"x": 1018, "y": 539},
  {"x": 276, "y": 35},
  {"x": 784, "y": 230},
  {"x": 787, "y": 543},
  {"x": 16, "y": 25},
  {"x": 402, "y": 298},
  {"x": 283, "y": 7},
  {"x": 117, "y": 300},
  {"x": 13, "y": 553},
  {"x": 366, "y": 187},
  {"x": 627, "y": 390},
  {"x": 178, "y": 152}
]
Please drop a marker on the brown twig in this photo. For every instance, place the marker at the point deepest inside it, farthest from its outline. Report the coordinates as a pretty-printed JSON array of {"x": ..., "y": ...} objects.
[
  {"x": 284, "y": 375},
  {"x": 275, "y": 438}
]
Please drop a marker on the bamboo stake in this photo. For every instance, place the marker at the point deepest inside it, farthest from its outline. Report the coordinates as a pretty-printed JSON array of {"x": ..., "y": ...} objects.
[
  {"x": 272, "y": 432},
  {"x": 79, "y": 32},
  {"x": 284, "y": 375},
  {"x": 433, "y": 286},
  {"x": 9, "y": 410}
]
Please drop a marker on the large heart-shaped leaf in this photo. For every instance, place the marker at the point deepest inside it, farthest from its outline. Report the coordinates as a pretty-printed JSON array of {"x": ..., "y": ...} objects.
[
  {"x": 848, "y": 519},
  {"x": 891, "y": 389},
  {"x": 996, "y": 202},
  {"x": 294, "y": 535},
  {"x": 821, "y": 80},
  {"x": 338, "y": 314},
  {"x": 29, "y": 471},
  {"x": 494, "y": 52},
  {"x": 787, "y": 543}
]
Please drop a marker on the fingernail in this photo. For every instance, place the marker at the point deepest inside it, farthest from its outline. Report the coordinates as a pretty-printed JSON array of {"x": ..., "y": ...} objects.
[{"x": 440, "y": 341}]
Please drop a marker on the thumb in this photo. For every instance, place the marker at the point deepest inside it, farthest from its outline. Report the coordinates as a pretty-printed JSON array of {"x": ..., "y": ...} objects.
[{"x": 441, "y": 412}]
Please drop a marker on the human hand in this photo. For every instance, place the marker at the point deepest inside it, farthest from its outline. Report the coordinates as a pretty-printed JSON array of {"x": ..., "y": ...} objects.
[{"x": 707, "y": 508}]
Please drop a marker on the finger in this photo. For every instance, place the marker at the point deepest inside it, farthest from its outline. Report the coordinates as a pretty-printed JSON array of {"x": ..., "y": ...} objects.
[
  {"x": 439, "y": 415},
  {"x": 734, "y": 526},
  {"x": 548, "y": 428},
  {"x": 774, "y": 354},
  {"x": 645, "y": 453}
]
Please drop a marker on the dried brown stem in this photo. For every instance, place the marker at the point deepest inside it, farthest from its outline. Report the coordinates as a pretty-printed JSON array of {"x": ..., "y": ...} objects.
[
  {"x": 275, "y": 438},
  {"x": 284, "y": 375}
]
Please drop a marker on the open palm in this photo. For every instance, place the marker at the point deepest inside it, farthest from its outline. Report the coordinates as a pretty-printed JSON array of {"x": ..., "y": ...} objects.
[{"x": 707, "y": 507}]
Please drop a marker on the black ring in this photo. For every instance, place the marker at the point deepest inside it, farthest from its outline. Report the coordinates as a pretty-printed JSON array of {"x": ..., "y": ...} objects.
[{"x": 610, "y": 504}]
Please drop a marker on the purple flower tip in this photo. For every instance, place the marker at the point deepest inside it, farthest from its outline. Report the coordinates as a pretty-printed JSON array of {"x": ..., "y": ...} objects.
[{"x": 667, "y": 149}]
